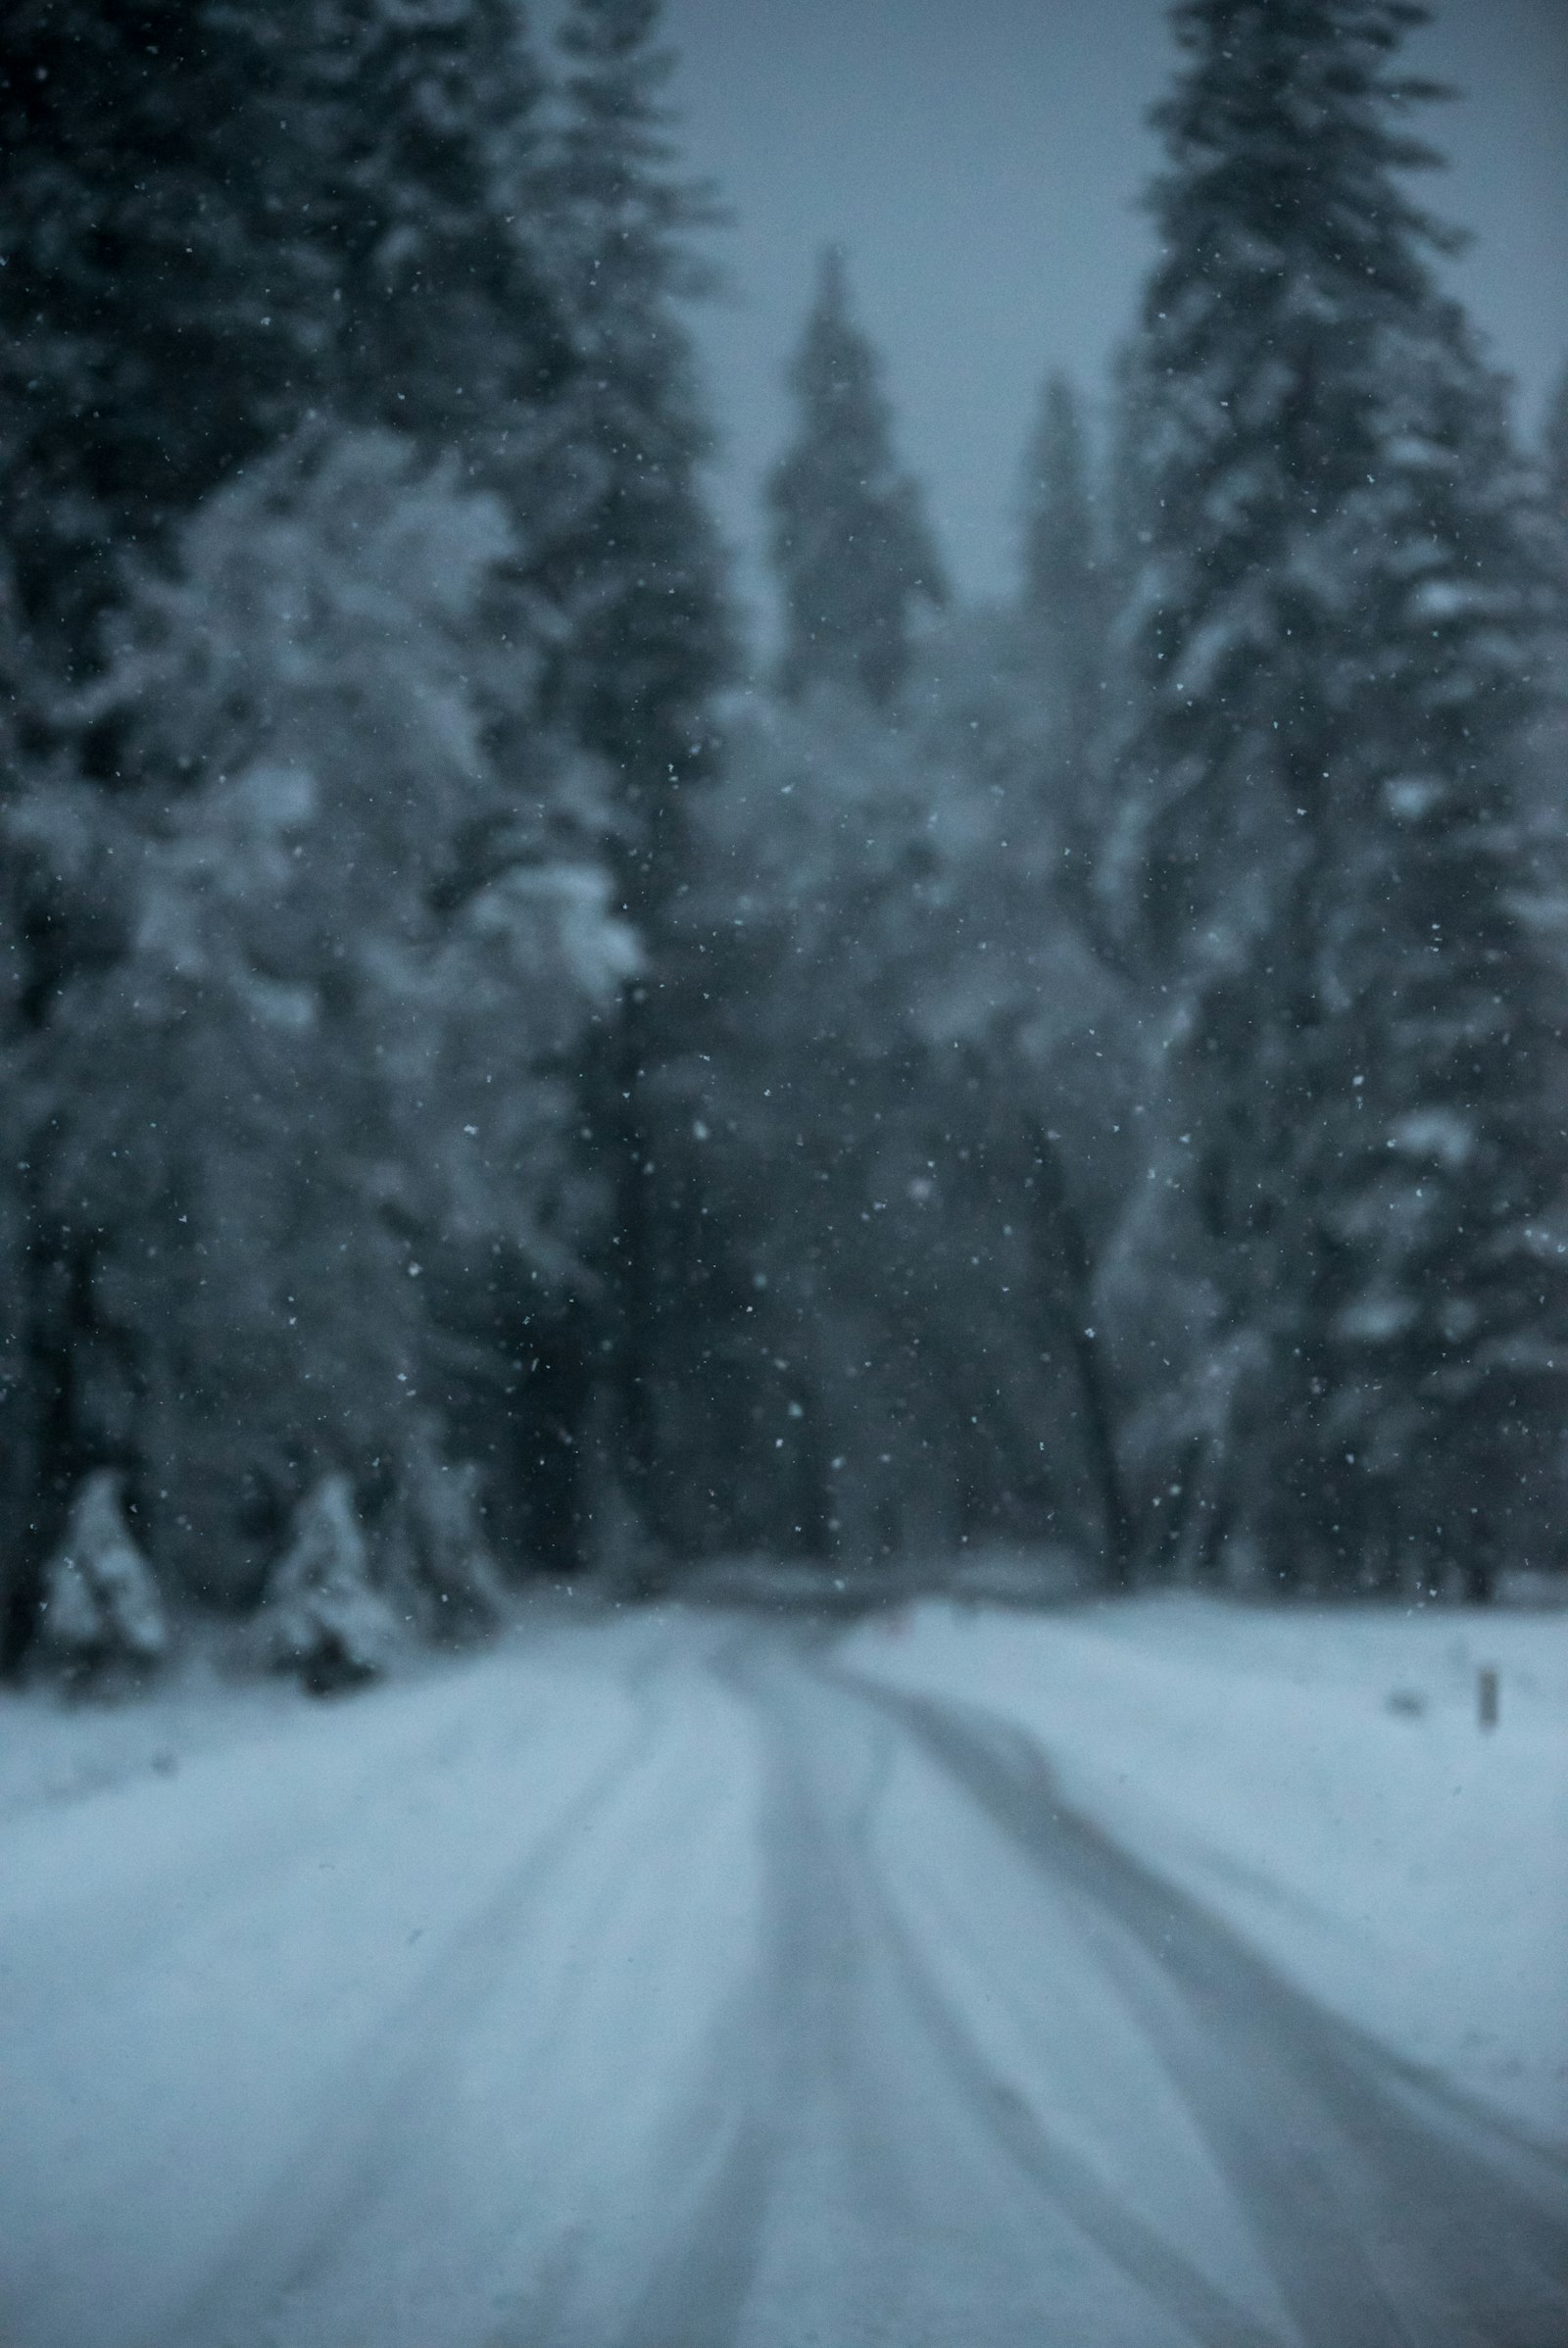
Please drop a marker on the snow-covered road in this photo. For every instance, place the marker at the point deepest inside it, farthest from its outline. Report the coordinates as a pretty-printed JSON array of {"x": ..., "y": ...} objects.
[{"x": 667, "y": 1983}]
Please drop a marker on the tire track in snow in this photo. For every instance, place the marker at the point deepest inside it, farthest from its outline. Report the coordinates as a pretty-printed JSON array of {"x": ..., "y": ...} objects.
[
  {"x": 935, "y": 2040},
  {"x": 1393, "y": 2215},
  {"x": 826, "y": 2150},
  {"x": 810, "y": 2172},
  {"x": 344, "y": 2168}
]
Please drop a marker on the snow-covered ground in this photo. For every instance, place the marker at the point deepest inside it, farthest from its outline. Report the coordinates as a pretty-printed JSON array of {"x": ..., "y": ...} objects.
[
  {"x": 1319, "y": 1778},
  {"x": 256, "y": 1952},
  {"x": 682, "y": 1980}
]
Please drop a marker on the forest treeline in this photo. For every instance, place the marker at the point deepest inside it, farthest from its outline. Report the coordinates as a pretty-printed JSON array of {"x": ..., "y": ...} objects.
[{"x": 491, "y": 1086}]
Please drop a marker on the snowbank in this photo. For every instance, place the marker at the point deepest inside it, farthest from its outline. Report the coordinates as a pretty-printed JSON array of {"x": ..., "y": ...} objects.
[{"x": 1319, "y": 1778}]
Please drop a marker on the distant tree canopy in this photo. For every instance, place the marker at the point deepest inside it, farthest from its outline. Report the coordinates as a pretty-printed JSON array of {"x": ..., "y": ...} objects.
[
  {"x": 851, "y": 549},
  {"x": 884, "y": 1350}
]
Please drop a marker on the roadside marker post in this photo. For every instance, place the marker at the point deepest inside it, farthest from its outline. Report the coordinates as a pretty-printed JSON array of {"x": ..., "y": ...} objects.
[{"x": 1487, "y": 1695}]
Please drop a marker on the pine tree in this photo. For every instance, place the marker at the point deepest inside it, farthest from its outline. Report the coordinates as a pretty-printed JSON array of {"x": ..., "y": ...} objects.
[
  {"x": 1554, "y": 499},
  {"x": 851, "y": 546},
  {"x": 631, "y": 570},
  {"x": 1061, "y": 555},
  {"x": 1129, "y": 466},
  {"x": 141, "y": 349},
  {"x": 404, "y": 186},
  {"x": 1554, "y": 453},
  {"x": 305, "y": 1102},
  {"x": 219, "y": 220},
  {"x": 632, "y": 563},
  {"x": 322, "y": 1617},
  {"x": 1317, "y": 853},
  {"x": 1064, "y": 586},
  {"x": 103, "y": 1617},
  {"x": 222, "y": 216}
]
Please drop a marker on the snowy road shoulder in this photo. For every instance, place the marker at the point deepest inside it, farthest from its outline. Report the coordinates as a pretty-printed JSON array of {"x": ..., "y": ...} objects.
[{"x": 1319, "y": 1779}]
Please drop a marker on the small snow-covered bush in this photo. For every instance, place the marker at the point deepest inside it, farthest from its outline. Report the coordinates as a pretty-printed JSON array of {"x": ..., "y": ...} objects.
[
  {"x": 102, "y": 1616},
  {"x": 438, "y": 1554},
  {"x": 322, "y": 1618}
]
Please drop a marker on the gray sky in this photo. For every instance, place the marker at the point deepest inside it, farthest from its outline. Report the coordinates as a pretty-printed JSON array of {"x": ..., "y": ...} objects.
[{"x": 982, "y": 161}]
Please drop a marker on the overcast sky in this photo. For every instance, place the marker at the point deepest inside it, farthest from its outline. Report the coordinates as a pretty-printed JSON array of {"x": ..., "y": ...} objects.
[{"x": 982, "y": 160}]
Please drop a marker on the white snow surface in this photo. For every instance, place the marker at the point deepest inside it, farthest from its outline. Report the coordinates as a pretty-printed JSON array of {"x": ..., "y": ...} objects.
[
  {"x": 651, "y": 1980},
  {"x": 1318, "y": 1776}
]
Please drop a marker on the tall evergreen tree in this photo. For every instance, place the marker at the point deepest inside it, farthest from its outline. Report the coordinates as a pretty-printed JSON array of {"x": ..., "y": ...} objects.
[
  {"x": 1555, "y": 494},
  {"x": 405, "y": 182},
  {"x": 221, "y": 216},
  {"x": 851, "y": 546},
  {"x": 1317, "y": 852},
  {"x": 142, "y": 349},
  {"x": 1060, "y": 552},
  {"x": 1129, "y": 497},
  {"x": 633, "y": 564},
  {"x": 631, "y": 570},
  {"x": 310, "y": 1104},
  {"x": 1066, "y": 581},
  {"x": 1554, "y": 450},
  {"x": 137, "y": 364},
  {"x": 221, "y": 220}
]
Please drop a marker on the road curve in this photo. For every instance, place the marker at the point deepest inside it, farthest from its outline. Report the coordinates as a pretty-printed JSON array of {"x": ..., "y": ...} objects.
[{"x": 683, "y": 1992}]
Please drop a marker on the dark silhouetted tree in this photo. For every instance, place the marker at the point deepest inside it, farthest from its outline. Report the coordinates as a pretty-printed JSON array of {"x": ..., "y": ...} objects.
[
  {"x": 632, "y": 572},
  {"x": 1065, "y": 599},
  {"x": 1554, "y": 496},
  {"x": 220, "y": 217},
  {"x": 1059, "y": 549},
  {"x": 634, "y": 567},
  {"x": 140, "y": 351},
  {"x": 1554, "y": 452},
  {"x": 851, "y": 547}
]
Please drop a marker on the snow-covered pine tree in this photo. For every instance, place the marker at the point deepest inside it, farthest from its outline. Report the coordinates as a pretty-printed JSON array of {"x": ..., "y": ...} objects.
[
  {"x": 142, "y": 352},
  {"x": 220, "y": 216},
  {"x": 851, "y": 546},
  {"x": 1317, "y": 853},
  {"x": 308, "y": 1099},
  {"x": 103, "y": 1618},
  {"x": 1129, "y": 497},
  {"x": 405, "y": 184},
  {"x": 1554, "y": 500},
  {"x": 1061, "y": 553},
  {"x": 1554, "y": 452},
  {"x": 142, "y": 347},
  {"x": 322, "y": 1617},
  {"x": 630, "y": 567},
  {"x": 1064, "y": 589},
  {"x": 633, "y": 564}
]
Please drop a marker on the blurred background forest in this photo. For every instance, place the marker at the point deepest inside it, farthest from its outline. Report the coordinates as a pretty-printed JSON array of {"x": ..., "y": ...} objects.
[{"x": 501, "y": 1079}]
